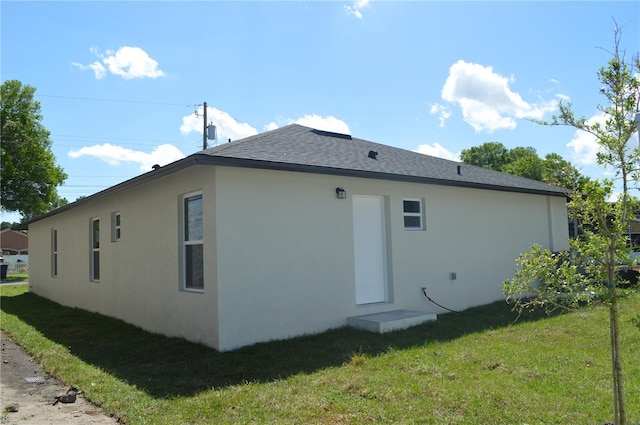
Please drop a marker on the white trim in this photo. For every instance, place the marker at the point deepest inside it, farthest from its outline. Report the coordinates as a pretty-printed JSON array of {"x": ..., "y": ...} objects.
[
  {"x": 54, "y": 252},
  {"x": 94, "y": 246},
  {"x": 116, "y": 226},
  {"x": 186, "y": 242}
]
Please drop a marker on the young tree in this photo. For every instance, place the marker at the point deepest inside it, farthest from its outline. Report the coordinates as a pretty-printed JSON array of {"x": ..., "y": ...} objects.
[
  {"x": 589, "y": 271},
  {"x": 30, "y": 175}
]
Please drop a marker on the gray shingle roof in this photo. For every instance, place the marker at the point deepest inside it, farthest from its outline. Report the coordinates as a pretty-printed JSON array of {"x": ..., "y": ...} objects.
[
  {"x": 303, "y": 149},
  {"x": 299, "y": 148}
]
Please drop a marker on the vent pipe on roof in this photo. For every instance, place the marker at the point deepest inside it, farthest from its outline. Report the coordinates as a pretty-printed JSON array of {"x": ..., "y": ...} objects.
[
  {"x": 459, "y": 170},
  {"x": 373, "y": 154}
]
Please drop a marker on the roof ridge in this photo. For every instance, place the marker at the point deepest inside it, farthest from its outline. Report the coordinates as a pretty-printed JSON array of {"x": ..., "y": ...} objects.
[{"x": 223, "y": 147}]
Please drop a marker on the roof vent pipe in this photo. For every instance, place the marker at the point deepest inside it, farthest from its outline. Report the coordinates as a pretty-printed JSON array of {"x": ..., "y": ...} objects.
[
  {"x": 373, "y": 154},
  {"x": 459, "y": 170}
]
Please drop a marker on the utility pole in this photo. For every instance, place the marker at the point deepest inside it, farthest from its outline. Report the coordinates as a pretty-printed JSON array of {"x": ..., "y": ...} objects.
[
  {"x": 208, "y": 131},
  {"x": 204, "y": 129}
]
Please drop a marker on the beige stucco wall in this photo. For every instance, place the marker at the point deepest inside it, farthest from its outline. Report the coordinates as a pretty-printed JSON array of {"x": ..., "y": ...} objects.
[
  {"x": 279, "y": 252},
  {"x": 285, "y": 249},
  {"x": 139, "y": 275}
]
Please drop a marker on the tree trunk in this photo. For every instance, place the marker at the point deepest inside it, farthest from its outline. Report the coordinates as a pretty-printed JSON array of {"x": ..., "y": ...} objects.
[{"x": 618, "y": 384}]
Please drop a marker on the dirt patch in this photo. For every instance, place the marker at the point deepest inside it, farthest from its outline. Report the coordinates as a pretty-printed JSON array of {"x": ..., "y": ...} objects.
[{"x": 28, "y": 395}]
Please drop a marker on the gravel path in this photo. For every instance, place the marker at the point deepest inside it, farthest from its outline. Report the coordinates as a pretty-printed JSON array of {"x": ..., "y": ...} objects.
[{"x": 27, "y": 394}]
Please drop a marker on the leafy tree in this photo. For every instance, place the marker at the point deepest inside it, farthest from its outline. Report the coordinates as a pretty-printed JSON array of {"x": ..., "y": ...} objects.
[
  {"x": 560, "y": 172},
  {"x": 529, "y": 166},
  {"x": 30, "y": 175},
  {"x": 589, "y": 271},
  {"x": 521, "y": 152},
  {"x": 7, "y": 225},
  {"x": 524, "y": 162},
  {"x": 491, "y": 155}
]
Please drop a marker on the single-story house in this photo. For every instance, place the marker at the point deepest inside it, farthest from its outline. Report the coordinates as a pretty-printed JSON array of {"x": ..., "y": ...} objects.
[
  {"x": 291, "y": 232},
  {"x": 13, "y": 242}
]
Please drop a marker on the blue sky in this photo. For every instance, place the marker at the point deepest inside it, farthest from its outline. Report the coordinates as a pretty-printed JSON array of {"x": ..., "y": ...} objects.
[{"x": 119, "y": 82}]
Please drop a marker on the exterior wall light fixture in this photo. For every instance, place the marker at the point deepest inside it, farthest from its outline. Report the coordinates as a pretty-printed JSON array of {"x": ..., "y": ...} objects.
[{"x": 341, "y": 193}]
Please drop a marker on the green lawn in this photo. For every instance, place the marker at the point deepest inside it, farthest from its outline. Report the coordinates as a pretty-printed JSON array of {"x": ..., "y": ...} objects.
[
  {"x": 16, "y": 277},
  {"x": 478, "y": 367}
]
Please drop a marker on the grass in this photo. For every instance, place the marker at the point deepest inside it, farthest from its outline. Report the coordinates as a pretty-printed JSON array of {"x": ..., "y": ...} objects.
[
  {"x": 16, "y": 277},
  {"x": 478, "y": 367}
]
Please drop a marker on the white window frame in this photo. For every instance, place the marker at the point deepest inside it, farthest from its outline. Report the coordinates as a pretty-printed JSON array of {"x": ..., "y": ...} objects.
[
  {"x": 95, "y": 250},
  {"x": 188, "y": 243},
  {"x": 412, "y": 214},
  {"x": 54, "y": 252},
  {"x": 116, "y": 226}
]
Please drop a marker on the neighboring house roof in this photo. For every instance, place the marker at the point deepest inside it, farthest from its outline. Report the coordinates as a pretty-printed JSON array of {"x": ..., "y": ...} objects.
[
  {"x": 12, "y": 241},
  {"x": 303, "y": 149}
]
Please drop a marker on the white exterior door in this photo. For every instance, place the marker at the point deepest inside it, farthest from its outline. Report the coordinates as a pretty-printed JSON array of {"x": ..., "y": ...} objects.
[{"x": 369, "y": 240}]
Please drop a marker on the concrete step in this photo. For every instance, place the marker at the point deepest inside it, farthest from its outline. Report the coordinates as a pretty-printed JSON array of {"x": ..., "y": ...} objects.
[{"x": 390, "y": 320}]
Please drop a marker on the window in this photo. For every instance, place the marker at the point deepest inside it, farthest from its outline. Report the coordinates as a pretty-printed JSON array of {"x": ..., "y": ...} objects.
[
  {"x": 412, "y": 211},
  {"x": 95, "y": 249},
  {"x": 54, "y": 252},
  {"x": 115, "y": 226},
  {"x": 193, "y": 248}
]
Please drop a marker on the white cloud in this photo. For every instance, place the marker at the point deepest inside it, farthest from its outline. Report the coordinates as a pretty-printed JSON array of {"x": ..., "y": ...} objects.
[
  {"x": 487, "y": 102},
  {"x": 271, "y": 126},
  {"x": 442, "y": 111},
  {"x": 99, "y": 70},
  {"x": 437, "y": 150},
  {"x": 328, "y": 123},
  {"x": 227, "y": 127},
  {"x": 583, "y": 148},
  {"x": 116, "y": 155},
  {"x": 355, "y": 10},
  {"x": 127, "y": 62}
]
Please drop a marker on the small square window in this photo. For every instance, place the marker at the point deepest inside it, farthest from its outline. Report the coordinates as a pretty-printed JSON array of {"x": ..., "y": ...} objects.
[{"x": 412, "y": 214}]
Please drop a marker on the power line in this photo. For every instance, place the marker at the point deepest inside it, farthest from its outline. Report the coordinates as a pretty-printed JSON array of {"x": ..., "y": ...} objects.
[
  {"x": 100, "y": 177},
  {"x": 127, "y": 141},
  {"x": 83, "y": 140},
  {"x": 96, "y": 99},
  {"x": 83, "y": 185}
]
